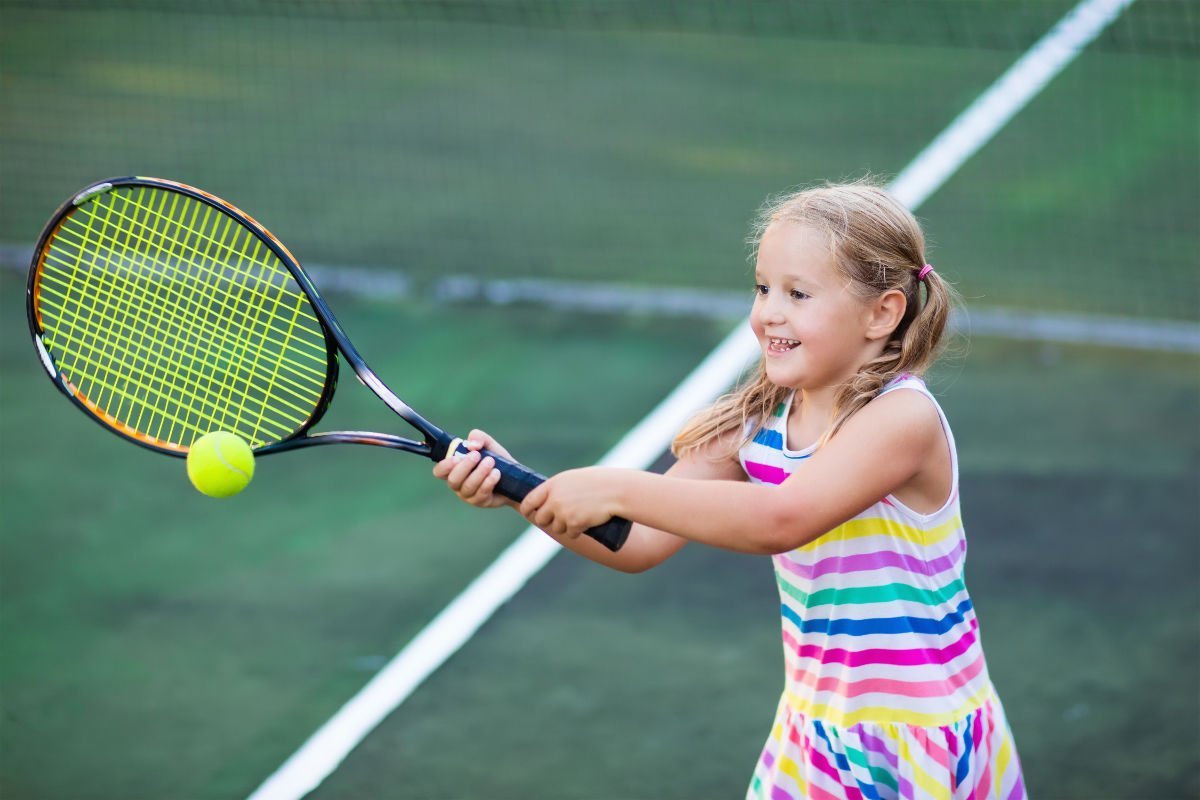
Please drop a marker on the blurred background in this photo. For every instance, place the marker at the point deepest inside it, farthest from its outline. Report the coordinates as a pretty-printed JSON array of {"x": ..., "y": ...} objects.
[{"x": 475, "y": 182}]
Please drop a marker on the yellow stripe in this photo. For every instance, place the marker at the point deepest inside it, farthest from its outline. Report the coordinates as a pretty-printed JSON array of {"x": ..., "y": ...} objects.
[
  {"x": 1002, "y": 760},
  {"x": 884, "y": 714},
  {"x": 782, "y": 763},
  {"x": 879, "y": 526},
  {"x": 930, "y": 786},
  {"x": 788, "y": 767}
]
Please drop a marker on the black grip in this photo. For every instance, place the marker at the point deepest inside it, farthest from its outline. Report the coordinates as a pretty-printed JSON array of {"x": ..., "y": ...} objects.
[{"x": 517, "y": 480}]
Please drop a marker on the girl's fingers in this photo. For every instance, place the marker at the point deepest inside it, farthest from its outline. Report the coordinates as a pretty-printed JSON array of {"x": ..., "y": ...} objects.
[
  {"x": 461, "y": 470},
  {"x": 474, "y": 481},
  {"x": 544, "y": 518},
  {"x": 442, "y": 468},
  {"x": 485, "y": 440},
  {"x": 473, "y": 476},
  {"x": 493, "y": 478}
]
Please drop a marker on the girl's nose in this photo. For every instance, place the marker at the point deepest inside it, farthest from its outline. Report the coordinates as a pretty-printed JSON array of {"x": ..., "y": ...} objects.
[{"x": 768, "y": 310}]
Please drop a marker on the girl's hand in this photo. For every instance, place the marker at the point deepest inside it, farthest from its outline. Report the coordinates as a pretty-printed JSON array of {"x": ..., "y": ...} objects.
[
  {"x": 471, "y": 476},
  {"x": 571, "y": 502}
]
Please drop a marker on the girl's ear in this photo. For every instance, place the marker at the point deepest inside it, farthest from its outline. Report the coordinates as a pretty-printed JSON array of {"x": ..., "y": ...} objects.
[{"x": 885, "y": 313}]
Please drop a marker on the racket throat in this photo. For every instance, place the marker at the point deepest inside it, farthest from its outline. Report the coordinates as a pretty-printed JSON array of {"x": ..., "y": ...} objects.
[{"x": 442, "y": 445}]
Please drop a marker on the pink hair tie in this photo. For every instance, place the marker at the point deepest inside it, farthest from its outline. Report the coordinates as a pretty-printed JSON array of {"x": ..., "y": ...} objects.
[{"x": 925, "y": 270}]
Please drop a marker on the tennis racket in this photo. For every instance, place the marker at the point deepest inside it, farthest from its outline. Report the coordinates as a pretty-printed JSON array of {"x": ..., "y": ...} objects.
[{"x": 165, "y": 313}]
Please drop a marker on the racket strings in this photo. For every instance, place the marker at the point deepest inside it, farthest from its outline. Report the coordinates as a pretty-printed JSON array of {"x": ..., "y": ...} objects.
[
  {"x": 104, "y": 290},
  {"x": 172, "y": 319},
  {"x": 252, "y": 314},
  {"x": 198, "y": 258},
  {"x": 191, "y": 405},
  {"x": 154, "y": 379}
]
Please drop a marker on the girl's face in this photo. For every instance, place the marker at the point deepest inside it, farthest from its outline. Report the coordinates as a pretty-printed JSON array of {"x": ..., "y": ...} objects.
[{"x": 811, "y": 327}]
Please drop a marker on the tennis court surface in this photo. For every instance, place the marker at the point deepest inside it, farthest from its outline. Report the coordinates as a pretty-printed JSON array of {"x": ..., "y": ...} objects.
[{"x": 160, "y": 644}]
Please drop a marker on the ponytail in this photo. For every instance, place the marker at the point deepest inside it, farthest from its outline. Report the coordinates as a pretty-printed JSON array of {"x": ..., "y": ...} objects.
[{"x": 912, "y": 348}]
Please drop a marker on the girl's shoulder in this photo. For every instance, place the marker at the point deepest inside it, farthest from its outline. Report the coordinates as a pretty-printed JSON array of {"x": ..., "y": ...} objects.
[
  {"x": 903, "y": 418},
  {"x": 914, "y": 410},
  {"x": 916, "y": 407},
  {"x": 912, "y": 424},
  {"x": 906, "y": 381},
  {"x": 918, "y": 399}
]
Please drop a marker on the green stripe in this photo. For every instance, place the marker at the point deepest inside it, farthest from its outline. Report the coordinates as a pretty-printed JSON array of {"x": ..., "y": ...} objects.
[
  {"x": 874, "y": 594},
  {"x": 879, "y": 774}
]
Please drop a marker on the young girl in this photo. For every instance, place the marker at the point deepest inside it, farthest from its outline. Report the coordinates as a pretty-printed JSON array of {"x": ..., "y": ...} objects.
[{"x": 836, "y": 461}]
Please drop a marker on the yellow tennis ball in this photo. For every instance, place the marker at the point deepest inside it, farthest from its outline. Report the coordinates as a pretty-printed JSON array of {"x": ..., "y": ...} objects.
[{"x": 220, "y": 464}]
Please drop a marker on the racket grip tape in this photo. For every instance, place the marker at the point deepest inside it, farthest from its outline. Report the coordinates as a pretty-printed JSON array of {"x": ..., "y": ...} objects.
[{"x": 518, "y": 480}]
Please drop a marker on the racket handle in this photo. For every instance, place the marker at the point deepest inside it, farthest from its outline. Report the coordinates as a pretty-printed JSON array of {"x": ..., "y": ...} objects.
[{"x": 518, "y": 480}]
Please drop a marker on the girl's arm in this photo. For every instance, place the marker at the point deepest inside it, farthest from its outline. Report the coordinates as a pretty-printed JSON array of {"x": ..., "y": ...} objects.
[
  {"x": 474, "y": 479},
  {"x": 878, "y": 451}
]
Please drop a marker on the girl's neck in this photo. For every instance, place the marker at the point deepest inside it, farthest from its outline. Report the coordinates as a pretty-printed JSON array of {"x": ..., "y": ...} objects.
[
  {"x": 811, "y": 414},
  {"x": 813, "y": 407}
]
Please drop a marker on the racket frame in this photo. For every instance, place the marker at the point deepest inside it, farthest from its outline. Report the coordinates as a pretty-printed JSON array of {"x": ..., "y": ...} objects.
[
  {"x": 436, "y": 443},
  {"x": 336, "y": 341}
]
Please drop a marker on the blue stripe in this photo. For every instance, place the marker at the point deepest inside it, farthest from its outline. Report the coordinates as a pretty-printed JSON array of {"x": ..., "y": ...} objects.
[
  {"x": 769, "y": 438},
  {"x": 868, "y": 791},
  {"x": 864, "y": 627},
  {"x": 964, "y": 760},
  {"x": 773, "y": 440}
]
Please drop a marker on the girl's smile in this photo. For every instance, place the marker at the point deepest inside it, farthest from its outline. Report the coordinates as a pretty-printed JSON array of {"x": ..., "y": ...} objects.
[{"x": 779, "y": 347}]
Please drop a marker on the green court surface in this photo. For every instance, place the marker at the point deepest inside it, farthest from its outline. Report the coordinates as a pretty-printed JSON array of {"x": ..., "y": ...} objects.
[{"x": 160, "y": 644}]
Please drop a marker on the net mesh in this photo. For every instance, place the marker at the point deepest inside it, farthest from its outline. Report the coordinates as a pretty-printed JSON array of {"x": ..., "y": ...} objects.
[
  {"x": 620, "y": 141},
  {"x": 170, "y": 320}
]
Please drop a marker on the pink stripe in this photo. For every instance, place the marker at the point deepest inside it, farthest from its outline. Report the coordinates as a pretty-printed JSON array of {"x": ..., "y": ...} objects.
[
  {"x": 932, "y": 749},
  {"x": 985, "y": 780},
  {"x": 765, "y": 473},
  {"x": 952, "y": 751},
  {"x": 844, "y": 688},
  {"x": 817, "y": 793},
  {"x": 817, "y": 759},
  {"x": 865, "y": 562},
  {"x": 913, "y": 657}
]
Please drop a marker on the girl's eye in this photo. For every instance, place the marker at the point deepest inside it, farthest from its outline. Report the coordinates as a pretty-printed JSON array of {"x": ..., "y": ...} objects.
[
  {"x": 760, "y": 290},
  {"x": 798, "y": 295}
]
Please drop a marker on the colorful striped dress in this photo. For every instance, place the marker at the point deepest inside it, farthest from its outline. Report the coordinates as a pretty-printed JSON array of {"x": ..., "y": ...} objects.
[{"x": 886, "y": 691}]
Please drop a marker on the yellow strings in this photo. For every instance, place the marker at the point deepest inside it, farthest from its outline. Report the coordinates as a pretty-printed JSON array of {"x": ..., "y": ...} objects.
[{"x": 175, "y": 320}]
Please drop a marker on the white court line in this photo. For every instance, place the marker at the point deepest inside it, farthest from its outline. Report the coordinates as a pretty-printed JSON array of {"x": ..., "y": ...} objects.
[
  {"x": 975, "y": 127},
  {"x": 449, "y": 630}
]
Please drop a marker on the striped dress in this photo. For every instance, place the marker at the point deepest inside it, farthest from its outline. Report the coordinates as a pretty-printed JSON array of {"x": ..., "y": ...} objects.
[{"x": 886, "y": 691}]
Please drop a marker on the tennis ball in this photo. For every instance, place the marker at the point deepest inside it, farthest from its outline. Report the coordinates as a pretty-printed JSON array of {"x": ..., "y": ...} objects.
[{"x": 220, "y": 464}]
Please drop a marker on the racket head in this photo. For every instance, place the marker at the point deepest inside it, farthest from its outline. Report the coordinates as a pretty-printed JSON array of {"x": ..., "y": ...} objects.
[{"x": 164, "y": 313}]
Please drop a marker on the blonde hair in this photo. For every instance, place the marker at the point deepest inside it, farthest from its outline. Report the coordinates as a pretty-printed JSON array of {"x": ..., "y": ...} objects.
[{"x": 877, "y": 246}]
